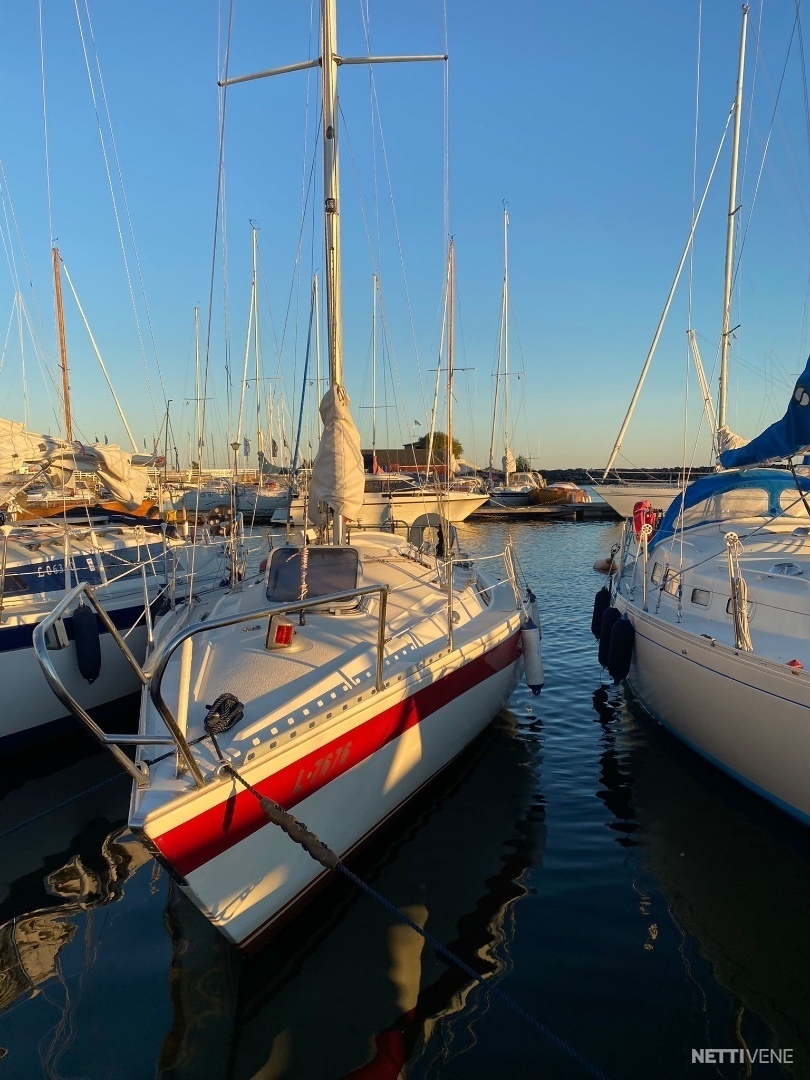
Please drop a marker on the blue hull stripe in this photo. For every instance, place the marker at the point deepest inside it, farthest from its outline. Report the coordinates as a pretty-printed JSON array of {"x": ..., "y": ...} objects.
[{"x": 13, "y": 638}]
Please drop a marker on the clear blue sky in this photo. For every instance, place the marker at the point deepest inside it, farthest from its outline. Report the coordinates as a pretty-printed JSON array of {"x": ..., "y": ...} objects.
[{"x": 581, "y": 115}]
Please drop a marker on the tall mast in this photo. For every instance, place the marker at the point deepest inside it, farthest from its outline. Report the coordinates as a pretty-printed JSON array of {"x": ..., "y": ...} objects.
[
  {"x": 331, "y": 186},
  {"x": 257, "y": 345},
  {"x": 732, "y": 213},
  {"x": 451, "y": 342},
  {"x": 505, "y": 332},
  {"x": 60, "y": 329},
  {"x": 374, "y": 371}
]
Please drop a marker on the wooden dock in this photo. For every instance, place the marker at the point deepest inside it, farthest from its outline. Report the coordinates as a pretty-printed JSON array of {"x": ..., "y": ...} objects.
[{"x": 593, "y": 511}]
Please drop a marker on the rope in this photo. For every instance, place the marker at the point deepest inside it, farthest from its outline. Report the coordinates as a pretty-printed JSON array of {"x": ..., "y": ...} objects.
[
  {"x": 300, "y": 834},
  {"x": 739, "y": 594}
]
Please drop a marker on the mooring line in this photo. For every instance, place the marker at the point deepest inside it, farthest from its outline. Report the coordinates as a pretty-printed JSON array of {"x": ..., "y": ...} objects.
[{"x": 315, "y": 847}]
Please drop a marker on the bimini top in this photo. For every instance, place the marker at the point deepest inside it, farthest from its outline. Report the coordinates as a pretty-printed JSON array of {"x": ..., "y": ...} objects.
[{"x": 735, "y": 495}]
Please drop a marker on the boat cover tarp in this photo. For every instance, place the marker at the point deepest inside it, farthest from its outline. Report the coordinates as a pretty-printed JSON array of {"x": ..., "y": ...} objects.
[
  {"x": 788, "y": 436},
  {"x": 126, "y": 479},
  {"x": 338, "y": 476},
  {"x": 774, "y": 481}
]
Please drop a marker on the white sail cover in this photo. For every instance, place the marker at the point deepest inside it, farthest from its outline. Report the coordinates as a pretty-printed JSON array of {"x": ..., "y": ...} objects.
[
  {"x": 19, "y": 446},
  {"x": 508, "y": 462},
  {"x": 727, "y": 440},
  {"x": 337, "y": 472},
  {"x": 113, "y": 466},
  {"x": 115, "y": 469}
]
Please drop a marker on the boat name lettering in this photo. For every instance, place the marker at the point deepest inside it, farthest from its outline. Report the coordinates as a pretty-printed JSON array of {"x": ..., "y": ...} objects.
[
  {"x": 322, "y": 767},
  {"x": 46, "y": 569}
]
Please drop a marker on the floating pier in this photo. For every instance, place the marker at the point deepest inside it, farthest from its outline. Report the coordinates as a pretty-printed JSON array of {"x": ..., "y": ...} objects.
[{"x": 593, "y": 511}]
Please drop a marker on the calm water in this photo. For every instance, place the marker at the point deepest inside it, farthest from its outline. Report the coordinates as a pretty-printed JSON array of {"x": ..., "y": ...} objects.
[{"x": 627, "y": 895}]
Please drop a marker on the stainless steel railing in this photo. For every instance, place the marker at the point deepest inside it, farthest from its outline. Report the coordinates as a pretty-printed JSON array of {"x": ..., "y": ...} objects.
[{"x": 151, "y": 674}]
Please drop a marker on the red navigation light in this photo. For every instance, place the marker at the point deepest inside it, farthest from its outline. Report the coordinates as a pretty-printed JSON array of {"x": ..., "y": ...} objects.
[{"x": 280, "y": 633}]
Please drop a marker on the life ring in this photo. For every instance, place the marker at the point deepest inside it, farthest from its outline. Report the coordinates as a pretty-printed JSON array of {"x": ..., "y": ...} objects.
[
  {"x": 220, "y": 521},
  {"x": 643, "y": 514}
]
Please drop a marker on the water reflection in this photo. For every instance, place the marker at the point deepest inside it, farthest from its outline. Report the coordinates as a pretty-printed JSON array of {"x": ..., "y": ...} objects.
[
  {"x": 346, "y": 991},
  {"x": 30, "y": 943},
  {"x": 617, "y": 783},
  {"x": 736, "y": 878}
]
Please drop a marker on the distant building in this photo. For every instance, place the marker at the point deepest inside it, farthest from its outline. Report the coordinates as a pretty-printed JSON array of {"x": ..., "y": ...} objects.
[{"x": 407, "y": 460}]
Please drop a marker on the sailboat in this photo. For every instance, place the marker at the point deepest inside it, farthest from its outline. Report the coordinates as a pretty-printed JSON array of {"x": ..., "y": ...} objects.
[
  {"x": 711, "y": 612},
  {"x": 335, "y": 684},
  {"x": 519, "y": 487},
  {"x": 516, "y": 488},
  {"x": 136, "y": 563}
]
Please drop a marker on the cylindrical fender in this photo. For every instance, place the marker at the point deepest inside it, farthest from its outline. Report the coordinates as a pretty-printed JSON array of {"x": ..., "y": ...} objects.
[
  {"x": 620, "y": 651},
  {"x": 609, "y": 619},
  {"x": 88, "y": 642},
  {"x": 600, "y": 605},
  {"x": 532, "y": 657}
]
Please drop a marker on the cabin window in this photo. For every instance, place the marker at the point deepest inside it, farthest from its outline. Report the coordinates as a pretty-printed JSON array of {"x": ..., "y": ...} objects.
[
  {"x": 786, "y": 569},
  {"x": 13, "y": 583},
  {"x": 672, "y": 581},
  {"x": 329, "y": 570},
  {"x": 791, "y": 503},
  {"x": 702, "y": 597},
  {"x": 655, "y": 577},
  {"x": 730, "y": 607}
]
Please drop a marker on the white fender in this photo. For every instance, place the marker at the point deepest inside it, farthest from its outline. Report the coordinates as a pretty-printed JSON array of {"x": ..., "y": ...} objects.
[{"x": 532, "y": 658}]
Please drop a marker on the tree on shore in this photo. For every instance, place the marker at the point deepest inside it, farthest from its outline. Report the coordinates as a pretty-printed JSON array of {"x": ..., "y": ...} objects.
[{"x": 439, "y": 444}]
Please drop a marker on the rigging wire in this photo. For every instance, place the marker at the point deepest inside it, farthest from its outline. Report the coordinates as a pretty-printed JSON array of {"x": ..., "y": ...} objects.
[
  {"x": 113, "y": 198},
  {"x": 691, "y": 281}
]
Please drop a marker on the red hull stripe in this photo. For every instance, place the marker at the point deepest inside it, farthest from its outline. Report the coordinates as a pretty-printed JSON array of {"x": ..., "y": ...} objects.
[{"x": 207, "y": 835}]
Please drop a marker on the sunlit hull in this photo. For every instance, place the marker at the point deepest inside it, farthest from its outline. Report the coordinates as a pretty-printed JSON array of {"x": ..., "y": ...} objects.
[{"x": 246, "y": 874}]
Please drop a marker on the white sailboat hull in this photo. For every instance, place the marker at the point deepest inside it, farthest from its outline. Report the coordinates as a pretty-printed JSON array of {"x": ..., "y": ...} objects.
[
  {"x": 747, "y": 715},
  {"x": 623, "y": 497},
  {"x": 380, "y": 510},
  {"x": 344, "y": 789}
]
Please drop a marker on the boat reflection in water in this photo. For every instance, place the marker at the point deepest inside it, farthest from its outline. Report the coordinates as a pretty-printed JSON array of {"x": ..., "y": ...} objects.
[
  {"x": 735, "y": 875},
  {"x": 30, "y": 943},
  {"x": 347, "y": 991}
]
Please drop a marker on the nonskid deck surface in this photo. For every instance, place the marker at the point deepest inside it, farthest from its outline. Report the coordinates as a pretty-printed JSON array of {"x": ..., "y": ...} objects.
[{"x": 290, "y": 695}]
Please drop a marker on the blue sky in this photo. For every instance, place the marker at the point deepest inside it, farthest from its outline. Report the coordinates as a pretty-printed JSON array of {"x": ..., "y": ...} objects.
[{"x": 581, "y": 115}]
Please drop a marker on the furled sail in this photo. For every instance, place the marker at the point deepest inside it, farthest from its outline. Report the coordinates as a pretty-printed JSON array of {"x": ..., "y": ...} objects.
[
  {"x": 788, "y": 436},
  {"x": 508, "y": 463},
  {"x": 19, "y": 446},
  {"x": 337, "y": 472},
  {"x": 125, "y": 477}
]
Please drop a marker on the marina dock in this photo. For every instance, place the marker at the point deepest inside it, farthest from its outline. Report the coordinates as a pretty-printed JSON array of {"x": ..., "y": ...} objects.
[{"x": 594, "y": 511}]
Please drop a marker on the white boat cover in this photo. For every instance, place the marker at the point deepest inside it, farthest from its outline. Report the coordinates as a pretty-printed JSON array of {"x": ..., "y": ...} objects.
[
  {"x": 114, "y": 466},
  {"x": 18, "y": 446},
  {"x": 727, "y": 440},
  {"x": 338, "y": 476}
]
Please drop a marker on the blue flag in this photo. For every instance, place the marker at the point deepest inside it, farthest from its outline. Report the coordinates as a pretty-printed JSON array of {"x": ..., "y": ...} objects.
[{"x": 786, "y": 437}]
